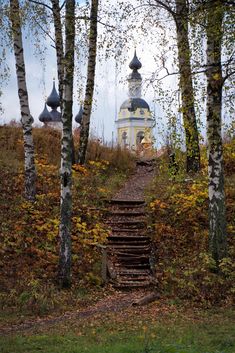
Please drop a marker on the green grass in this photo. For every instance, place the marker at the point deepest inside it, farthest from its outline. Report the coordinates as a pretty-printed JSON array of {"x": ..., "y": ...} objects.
[{"x": 177, "y": 337}]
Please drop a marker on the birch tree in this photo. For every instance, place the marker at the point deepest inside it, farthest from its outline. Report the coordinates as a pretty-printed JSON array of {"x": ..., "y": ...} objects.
[
  {"x": 178, "y": 10},
  {"x": 217, "y": 221},
  {"x": 64, "y": 270},
  {"x": 84, "y": 134},
  {"x": 186, "y": 87},
  {"x": 26, "y": 118},
  {"x": 56, "y": 9}
]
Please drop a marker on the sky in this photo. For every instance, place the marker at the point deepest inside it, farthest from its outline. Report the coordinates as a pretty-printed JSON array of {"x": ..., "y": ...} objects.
[{"x": 108, "y": 96}]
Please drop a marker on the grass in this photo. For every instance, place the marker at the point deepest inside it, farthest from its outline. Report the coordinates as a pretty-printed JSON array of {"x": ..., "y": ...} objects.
[{"x": 173, "y": 335}]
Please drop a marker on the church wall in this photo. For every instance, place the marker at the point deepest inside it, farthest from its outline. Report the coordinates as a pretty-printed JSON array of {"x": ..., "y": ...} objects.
[{"x": 132, "y": 132}]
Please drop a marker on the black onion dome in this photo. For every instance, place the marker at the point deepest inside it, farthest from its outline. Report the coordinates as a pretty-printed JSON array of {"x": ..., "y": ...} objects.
[
  {"x": 45, "y": 116},
  {"x": 78, "y": 117},
  {"x": 135, "y": 64},
  {"x": 53, "y": 100},
  {"x": 56, "y": 116},
  {"x": 132, "y": 104}
]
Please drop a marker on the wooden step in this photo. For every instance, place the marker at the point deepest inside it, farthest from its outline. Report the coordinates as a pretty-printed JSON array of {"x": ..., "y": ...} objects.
[
  {"x": 125, "y": 251},
  {"x": 128, "y": 247},
  {"x": 132, "y": 260},
  {"x": 134, "y": 278},
  {"x": 123, "y": 237},
  {"x": 127, "y": 214},
  {"x": 132, "y": 224},
  {"x": 129, "y": 243},
  {"x": 128, "y": 207},
  {"x": 132, "y": 231},
  {"x": 126, "y": 202},
  {"x": 122, "y": 271},
  {"x": 123, "y": 245},
  {"x": 132, "y": 284}
]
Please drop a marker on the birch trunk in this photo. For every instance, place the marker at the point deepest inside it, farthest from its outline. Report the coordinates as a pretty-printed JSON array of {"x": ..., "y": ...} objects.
[
  {"x": 26, "y": 118},
  {"x": 60, "y": 54},
  {"x": 64, "y": 271},
  {"x": 217, "y": 220},
  {"x": 186, "y": 88},
  {"x": 58, "y": 45},
  {"x": 84, "y": 134}
]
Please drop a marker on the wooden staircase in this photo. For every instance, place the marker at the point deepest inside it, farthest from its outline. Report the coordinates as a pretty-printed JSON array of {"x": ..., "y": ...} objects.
[{"x": 128, "y": 247}]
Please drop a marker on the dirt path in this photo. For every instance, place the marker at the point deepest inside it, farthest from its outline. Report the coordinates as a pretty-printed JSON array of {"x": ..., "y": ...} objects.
[
  {"x": 135, "y": 186},
  {"x": 114, "y": 303}
]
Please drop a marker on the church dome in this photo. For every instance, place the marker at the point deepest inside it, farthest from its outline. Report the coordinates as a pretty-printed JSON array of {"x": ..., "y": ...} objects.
[
  {"x": 55, "y": 116},
  {"x": 53, "y": 100},
  {"x": 132, "y": 104},
  {"x": 78, "y": 117},
  {"x": 45, "y": 116},
  {"x": 135, "y": 64}
]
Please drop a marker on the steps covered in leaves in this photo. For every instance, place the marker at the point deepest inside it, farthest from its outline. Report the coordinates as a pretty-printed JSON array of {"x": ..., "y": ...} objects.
[{"x": 129, "y": 247}]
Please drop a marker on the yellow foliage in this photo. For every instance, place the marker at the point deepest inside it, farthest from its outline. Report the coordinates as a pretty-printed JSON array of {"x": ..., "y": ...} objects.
[
  {"x": 157, "y": 204},
  {"x": 196, "y": 197},
  {"x": 99, "y": 165},
  {"x": 80, "y": 169},
  {"x": 94, "y": 235}
]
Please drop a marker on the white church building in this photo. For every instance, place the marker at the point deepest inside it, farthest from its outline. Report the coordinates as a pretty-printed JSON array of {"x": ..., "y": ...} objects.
[{"x": 134, "y": 117}]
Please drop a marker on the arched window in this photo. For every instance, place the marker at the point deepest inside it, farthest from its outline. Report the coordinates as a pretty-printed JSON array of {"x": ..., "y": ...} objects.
[
  {"x": 124, "y": 139},
  {"x": 139, "y": 137}
]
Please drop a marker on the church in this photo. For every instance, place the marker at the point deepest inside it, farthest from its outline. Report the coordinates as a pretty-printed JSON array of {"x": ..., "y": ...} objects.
[{"x": 135, "y": 122}]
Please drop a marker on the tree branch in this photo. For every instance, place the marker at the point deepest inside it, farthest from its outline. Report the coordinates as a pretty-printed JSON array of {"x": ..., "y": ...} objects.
[
  {"x": 61, "y": 7},
  {"x": 85, "y": 18},
  {"x": 227, "y": 76},
  {"x": 166, "y": 7},
  {"x": 177, "y": 73},
  {"x": 48, "y": 34},
  {"x": 41, "y": 3}
]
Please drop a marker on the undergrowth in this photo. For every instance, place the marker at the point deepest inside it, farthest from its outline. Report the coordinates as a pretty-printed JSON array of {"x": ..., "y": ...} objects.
[
  {"x": 178, "y": 205},
  {"x": 29, "y": 232}
]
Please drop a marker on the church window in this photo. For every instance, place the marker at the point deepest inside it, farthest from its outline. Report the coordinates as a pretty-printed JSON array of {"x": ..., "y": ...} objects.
[{"x": 124, "y": 138}]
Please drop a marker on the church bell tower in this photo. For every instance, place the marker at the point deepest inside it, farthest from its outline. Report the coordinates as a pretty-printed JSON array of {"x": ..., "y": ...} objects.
[{"x": 134, "y": 117}]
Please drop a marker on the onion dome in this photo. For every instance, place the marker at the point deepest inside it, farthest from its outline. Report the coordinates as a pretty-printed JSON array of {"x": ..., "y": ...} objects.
[
  {"x": 53, "y": 100},
  {"x": 135, "y": 64},
  {"x": 45, "y": 116},
  {"x": 132, "y": 104},
  {"x": 55, "y": 115},
  {"x": 78, "y": 117}
]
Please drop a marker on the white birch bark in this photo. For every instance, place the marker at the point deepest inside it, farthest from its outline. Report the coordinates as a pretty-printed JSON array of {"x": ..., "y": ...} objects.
[
  {"x": 84, "y": 134},
  {"x": 26, "y": 118},
  {"x": 58, "y": 44},
  {"x": 217, "y": 220},
  {"x": 64, "y": 271}
]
